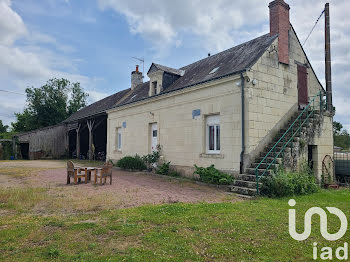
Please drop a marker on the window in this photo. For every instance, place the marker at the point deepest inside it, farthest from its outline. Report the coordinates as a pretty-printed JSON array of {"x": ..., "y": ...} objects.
[
  {"x": 213, "y": 134},
  {"x": 119, "y": 139},
  {"x": 154, "y": 133},
  {"x": 154, "y": 88}
]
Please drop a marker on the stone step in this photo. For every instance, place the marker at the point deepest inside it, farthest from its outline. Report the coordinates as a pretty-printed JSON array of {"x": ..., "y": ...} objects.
[
  {"x": 277, "y": 148},
  {"x": 246, "y": 184},
  {"x": 268, "y": 160},
  {"x": 280, "y": 144},
  {"x": 277, "y": 138},
  {"x": 243, "y": 196},
  {"x": 263, "y": 165},
  {"x": 260, "y": 171},
  {"x": 246, "y": 177},
  {"x": 243, "y": 191},
  {"x": 294, "y": 129},
  {"x": 277, "y": 151}
]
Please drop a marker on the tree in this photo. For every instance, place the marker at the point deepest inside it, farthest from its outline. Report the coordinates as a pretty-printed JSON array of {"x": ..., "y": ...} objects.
[
  {"x": 50, "y": 104},
  {"x": 337, "y": 127},
  {"x": 341, "y": 136},
  {"x": 3, "y": 128},
  {"x": 78, "y": 99}
]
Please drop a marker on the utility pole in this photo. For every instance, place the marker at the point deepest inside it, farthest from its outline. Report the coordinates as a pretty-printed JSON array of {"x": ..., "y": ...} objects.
[{"x": 328, "y": 61}]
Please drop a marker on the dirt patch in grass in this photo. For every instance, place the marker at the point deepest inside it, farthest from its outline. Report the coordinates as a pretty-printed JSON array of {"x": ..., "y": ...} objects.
[{"x": 129, "y": 189}]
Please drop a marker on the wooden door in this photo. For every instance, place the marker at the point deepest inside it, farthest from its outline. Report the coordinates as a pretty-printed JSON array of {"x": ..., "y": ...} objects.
[{"x": 302, "y": 86}]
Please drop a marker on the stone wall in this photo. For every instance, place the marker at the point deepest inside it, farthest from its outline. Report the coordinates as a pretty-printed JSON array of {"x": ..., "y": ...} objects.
[
  {"x": 49, "y": 142},
  {"x": 272, "y": 98},
  {"x": 182, "y": 137}
]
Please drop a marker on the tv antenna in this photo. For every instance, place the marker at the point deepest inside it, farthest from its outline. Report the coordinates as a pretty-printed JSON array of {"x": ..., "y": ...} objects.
[{"x": 142, "y": 60}]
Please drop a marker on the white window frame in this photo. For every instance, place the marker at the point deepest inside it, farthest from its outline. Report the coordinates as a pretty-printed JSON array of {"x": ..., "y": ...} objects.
[
  {"x": 119, "y": 140},
  {"x": 214, "y": 121}
]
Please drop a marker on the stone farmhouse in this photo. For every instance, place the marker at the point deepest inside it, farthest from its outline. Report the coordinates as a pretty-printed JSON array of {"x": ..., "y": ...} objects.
[{"x": 230, "y": 109}]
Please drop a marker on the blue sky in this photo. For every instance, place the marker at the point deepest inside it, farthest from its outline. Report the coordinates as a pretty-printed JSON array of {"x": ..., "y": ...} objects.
[{"x": 93, "y": 41}]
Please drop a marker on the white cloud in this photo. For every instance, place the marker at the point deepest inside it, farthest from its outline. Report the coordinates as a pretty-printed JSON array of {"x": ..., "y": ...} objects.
[
  {"x": 303, "y": 17},
  {"x": 162, "y": 22},
  {"x": 31, "y": 64},
  {"x": 11, "y": 24},
  {"x": 221, "y": 24}
]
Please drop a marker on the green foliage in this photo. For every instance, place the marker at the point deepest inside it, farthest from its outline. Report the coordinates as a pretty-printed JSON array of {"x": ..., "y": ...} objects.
[
  {"x": 3, "y": 128},
  {"x": 337, "y": 127},
  {"x": 7, "y": 135},
  {"x": 53, "y": 252},
  {"x": 164, "y": 169},
  {"x": 50, "y": 104},
  {"x": 211, "y": 175},
  {"x": 78, "y": 99},
  {"x": 285, "y": 183},
  {"x": 5, "y": 150},
  {"x": 341, "y": 136},
  {"x": 153, "y": 158},
  {"x": 302, "y": 144},
  {"x": 131, "y": 162}
]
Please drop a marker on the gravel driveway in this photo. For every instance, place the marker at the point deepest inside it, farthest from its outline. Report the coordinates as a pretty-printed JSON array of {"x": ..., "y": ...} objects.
[{"x": 129, "y": 189}]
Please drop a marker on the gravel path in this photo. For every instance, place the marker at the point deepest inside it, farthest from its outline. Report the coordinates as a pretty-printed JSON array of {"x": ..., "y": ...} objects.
[{"x": 129, "y": 189}]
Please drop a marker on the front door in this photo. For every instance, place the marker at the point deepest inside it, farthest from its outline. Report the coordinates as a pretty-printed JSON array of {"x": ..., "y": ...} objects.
[
  {"x": 302, "y": 87},
  {"x": 154, "y": 137}
]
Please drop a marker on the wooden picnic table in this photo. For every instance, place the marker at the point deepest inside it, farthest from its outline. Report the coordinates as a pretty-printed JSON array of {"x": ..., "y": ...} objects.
[{"x": 87, "y": 171}]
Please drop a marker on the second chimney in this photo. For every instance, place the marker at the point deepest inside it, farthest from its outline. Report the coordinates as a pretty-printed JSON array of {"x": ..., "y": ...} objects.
[
  {"x": 136, "y": 78},
  {"x": 280, "y": 24}
]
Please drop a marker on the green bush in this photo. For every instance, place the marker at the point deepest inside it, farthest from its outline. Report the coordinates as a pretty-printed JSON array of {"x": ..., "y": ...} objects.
[
  {"x": 132, "y": 162},
  {"x": 152, "y": 158},
  {"x": 211, "y": 175},
  {"x": 284, "y": 184},
  {"x": 164, "y": 169}
]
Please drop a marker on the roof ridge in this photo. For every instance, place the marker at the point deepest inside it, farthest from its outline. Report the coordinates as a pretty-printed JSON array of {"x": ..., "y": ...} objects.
[{"x": 226, "y": 50}]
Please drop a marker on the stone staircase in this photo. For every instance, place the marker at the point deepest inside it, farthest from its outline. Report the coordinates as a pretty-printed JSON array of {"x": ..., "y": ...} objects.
[{"x": 245, "y": 184}]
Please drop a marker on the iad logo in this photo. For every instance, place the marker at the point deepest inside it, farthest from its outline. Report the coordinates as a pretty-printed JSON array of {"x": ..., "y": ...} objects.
[
  {"x": 323, "y": 219},
  {"x": 327, "y": 253}
]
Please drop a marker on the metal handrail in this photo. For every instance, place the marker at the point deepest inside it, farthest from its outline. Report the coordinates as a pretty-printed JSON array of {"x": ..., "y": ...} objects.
[{"x": 283, "y": 137}]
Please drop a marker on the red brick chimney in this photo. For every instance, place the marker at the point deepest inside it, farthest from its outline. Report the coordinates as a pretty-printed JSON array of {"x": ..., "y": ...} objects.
[{"x": 280, "y": 24}]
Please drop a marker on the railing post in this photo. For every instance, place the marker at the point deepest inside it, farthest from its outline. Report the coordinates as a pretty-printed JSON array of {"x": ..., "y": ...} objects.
[{"x": 257, "y": 181}]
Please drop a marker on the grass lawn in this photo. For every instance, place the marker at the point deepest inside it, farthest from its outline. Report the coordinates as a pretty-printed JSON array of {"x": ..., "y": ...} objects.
[{"x": 245, "y": 231}]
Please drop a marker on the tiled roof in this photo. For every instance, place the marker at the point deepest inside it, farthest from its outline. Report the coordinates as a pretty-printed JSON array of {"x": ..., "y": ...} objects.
[
  {"x": 228, "y": 62},
  {"x": 98, "y": 107},
  {"x": 169, "y": 69}
]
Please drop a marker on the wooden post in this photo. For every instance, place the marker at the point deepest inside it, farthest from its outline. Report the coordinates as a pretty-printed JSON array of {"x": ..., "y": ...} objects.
[
  {"x": 14, "y": 147},
  {"x": 90, "y": 125},
  {"x": 78, "y": 141},
  {"x": 328, "y": 61}
]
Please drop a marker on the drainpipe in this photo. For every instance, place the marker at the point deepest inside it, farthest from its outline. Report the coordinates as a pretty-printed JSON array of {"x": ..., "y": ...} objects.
[{"x": 243, "y": 126}]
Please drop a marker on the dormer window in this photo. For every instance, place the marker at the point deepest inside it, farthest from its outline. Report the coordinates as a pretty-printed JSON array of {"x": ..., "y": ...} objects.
[{"x": 162, "y": 77}]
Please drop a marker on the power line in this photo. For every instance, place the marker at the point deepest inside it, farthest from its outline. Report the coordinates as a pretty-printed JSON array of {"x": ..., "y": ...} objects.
[
  {"x": 6, "y": 91},
  {"x": 314, "y": 26}
]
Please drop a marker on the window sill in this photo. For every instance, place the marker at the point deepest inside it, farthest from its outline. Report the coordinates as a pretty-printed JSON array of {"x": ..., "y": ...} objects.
[
  {"x": 117, "y": 152},
  {"x": 205, "y": 155}
]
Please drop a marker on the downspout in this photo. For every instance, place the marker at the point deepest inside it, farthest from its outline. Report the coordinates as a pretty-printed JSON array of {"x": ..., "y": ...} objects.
[{"x": 243, "y": 126}]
